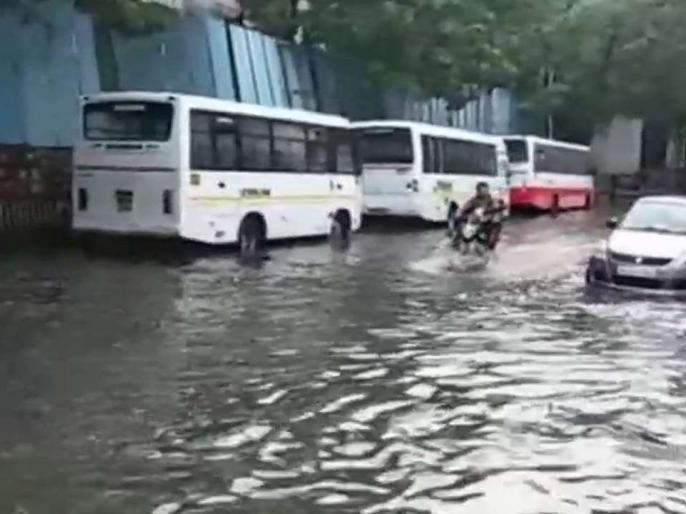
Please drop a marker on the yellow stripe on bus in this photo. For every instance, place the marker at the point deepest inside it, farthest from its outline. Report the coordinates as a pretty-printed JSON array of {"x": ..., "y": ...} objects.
[{"x": 269, "y": 199}]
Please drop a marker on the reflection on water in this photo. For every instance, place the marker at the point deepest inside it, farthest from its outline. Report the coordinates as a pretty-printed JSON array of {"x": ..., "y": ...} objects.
[{"x": 365, "y": 382}]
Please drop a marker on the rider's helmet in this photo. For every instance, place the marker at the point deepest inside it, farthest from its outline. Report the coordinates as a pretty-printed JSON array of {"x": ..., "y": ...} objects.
[{"x": 482, "y": 189}]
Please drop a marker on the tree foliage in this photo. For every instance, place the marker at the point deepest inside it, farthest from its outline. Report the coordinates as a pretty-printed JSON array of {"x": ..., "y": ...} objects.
[
  {"x": 628, "y": 60},
  {"x": 439, "y": 45},
  {"x": 589, "y": 59}
]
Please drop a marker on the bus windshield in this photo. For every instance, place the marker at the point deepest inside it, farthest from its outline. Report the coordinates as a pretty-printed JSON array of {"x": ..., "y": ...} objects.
[
  {"x": 387, "y": 145},
  {"x": 128, "y": 121},
  {"x": 556, "y": 159},
  {"x": 516, "y": 151}
]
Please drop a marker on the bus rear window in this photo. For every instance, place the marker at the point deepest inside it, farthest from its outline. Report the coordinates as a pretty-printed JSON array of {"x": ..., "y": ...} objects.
[
  {"x": 516, "y": 150},
  {"x": 387, "y": 146},
  {"x": 128, "y": 121}
]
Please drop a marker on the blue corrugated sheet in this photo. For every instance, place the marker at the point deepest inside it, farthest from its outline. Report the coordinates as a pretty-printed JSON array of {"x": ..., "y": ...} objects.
[
  {"x": 12, "y": 120},
  {"x": 298, "y": 77},
  {"x": 45, "y": 65},
  {"x": 245, "y": 74},
  {"x": 174, "y": 60},
  {"x": 220, "y": 59}
]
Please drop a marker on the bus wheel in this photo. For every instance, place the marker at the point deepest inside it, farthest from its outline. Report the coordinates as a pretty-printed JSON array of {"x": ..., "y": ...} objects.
[
  {"x": 251, "y": 235},
  {"x": 555, "y": 207},
  {"x": 341, "y": 228},
  {"x": 588, "y": 203},
  {"x": 452, "y": 211}
]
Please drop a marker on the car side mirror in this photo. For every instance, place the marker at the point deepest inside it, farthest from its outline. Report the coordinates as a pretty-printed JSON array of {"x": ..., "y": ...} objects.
[{"x": 612, "y": 223}]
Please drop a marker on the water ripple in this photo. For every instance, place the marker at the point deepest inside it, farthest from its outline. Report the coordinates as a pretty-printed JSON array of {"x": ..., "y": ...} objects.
[{"x": 324, "y": 383}]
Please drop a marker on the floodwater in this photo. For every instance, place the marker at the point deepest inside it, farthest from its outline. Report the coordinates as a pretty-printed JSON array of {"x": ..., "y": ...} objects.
[{"x": 373, "y": 381}]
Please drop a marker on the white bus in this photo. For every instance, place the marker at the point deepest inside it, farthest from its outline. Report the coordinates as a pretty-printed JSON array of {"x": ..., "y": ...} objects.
[
  {"x": 426, "y": 171},
  {"x": 549, "y": 175},
  {"x": 212, "y": 171}
]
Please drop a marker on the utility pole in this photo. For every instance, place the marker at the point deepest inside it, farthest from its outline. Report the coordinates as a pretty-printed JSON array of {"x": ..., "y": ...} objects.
[{"x": 550, "y": 122}]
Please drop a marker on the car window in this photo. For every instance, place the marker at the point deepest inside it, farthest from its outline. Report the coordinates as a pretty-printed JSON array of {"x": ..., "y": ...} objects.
[{"x": 657, "y": 216}]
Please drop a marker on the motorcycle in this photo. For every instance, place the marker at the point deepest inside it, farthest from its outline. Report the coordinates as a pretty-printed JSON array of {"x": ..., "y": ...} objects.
[{"x": 472, "y": 235}]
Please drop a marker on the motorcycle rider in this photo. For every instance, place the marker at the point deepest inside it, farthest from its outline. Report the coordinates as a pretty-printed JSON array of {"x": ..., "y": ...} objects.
[{"x": 492, "y": 209}]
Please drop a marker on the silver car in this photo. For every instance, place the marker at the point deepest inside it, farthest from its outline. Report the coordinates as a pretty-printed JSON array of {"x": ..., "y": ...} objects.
[{"x": 646, "y": 249}]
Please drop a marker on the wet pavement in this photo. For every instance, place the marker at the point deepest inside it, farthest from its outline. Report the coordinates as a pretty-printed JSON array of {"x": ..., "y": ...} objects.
[{"x": 372, "y": 381}]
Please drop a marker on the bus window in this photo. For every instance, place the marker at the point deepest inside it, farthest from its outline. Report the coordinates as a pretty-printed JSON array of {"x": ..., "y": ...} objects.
[
  {"x": 458, "y": 158},
  {"x": 540, "y": 158},
  {"x": 289, "y": 147},
  {"x": 255, "y": 144},
  {"x": 128, "y": 121},
  {"x": 213, "y": 141},
  {"x": 432, "y": 151},
  {"x": 567, "y": 161},
  {"x": 225, "y": 144},
  {"x": 486, "y": 159},
  {"x": 468, "y": 158},
  {"x": 384, "y": 146},
  {"x": 202, "y": 153},
  {"x": 317, "y": 150},
  {"x": 517, "y": 152},
  {"x": 344, "y": 150}
]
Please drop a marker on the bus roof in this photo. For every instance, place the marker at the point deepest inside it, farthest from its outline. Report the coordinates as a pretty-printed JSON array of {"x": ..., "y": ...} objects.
[
  {"x": 427, "y": 128},
  {"x": 230, "y": 106},
  {"x": 551, "y": 142}
]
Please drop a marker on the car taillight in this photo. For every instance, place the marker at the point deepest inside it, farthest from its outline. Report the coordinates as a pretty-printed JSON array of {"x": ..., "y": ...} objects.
[{"x": 82, "y": 199}]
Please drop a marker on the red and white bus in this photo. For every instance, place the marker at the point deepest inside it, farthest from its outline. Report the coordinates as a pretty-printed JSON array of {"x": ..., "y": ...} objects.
[{"x": 549, "y": 175}]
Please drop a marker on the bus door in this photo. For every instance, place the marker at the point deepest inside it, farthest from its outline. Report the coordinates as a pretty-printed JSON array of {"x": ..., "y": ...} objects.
[
  {"x": 520, "y": 162},
  {"x": 345, "y": 179}
]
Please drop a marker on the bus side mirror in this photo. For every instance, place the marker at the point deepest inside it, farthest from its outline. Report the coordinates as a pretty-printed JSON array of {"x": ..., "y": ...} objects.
[{"x": 612, "y": 223}]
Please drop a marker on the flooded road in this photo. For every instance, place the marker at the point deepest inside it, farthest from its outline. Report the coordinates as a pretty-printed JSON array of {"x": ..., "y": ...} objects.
[{"x": 370, "y": 382}]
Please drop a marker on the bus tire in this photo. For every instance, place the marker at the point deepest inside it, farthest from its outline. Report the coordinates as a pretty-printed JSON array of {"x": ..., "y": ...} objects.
[
  {"x": 251, "y": 235},
  {"x": 341, "y": 228},
  {"x": 452, "y": 211},
  {"x": 588, "y": 203},
  {"x": 555, "y": 206}
]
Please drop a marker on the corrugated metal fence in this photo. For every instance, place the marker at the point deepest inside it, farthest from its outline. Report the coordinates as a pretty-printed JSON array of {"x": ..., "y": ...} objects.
[{"x": 48, "y": 61}]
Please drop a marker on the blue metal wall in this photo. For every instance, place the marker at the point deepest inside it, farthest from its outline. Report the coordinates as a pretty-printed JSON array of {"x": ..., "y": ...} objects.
[
  {"x": 44, "y": 66},
  {"x": 47, "y": 63}
]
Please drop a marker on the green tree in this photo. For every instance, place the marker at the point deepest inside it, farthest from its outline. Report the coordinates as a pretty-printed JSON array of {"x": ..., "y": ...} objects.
[
  {"x": 582, "y": 61},
  {"x": 438, "y": 45},
  {"x": 614, "y": 58}
]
